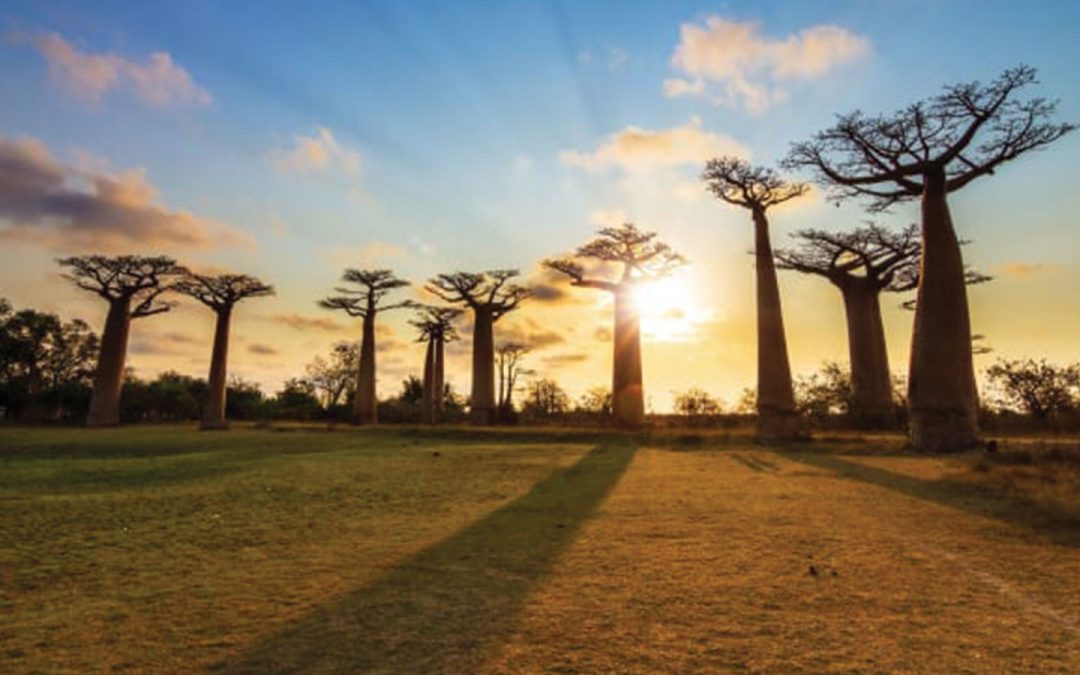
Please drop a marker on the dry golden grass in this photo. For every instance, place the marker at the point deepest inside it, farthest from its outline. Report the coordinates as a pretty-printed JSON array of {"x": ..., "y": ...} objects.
[{"x": 256, "y": 551}]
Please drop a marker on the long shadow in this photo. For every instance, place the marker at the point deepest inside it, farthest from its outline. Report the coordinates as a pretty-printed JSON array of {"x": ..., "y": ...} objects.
[
  {"x": 1014, "y": 509},
  {"x": 444, "y": 609}
]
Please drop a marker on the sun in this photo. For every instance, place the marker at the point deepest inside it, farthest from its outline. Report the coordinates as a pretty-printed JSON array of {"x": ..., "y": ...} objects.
[{"x": 670, "y": 309}]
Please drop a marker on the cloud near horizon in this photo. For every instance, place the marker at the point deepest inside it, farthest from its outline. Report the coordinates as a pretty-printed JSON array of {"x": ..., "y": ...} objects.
[
  {"x": 156, "y": 82},
  {"x": 731, "y": 63},
  {"x": 48, "y": 203},
  {"x": 637, "y": 149},
  {"x": 318, "y": 153}
]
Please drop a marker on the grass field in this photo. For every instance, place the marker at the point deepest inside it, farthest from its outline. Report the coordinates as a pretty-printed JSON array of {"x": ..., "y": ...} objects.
[{"x": 165, "y": 549}]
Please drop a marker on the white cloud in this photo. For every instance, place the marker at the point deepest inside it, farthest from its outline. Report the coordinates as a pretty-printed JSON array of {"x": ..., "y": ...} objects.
[
  {"x": 158, "y": 81},
  {"x": 320, "y": 152},
  {"x": 617, "y": 58},
  {"x": 635, "y": 149},
  {"x": 732, "y": 63}
]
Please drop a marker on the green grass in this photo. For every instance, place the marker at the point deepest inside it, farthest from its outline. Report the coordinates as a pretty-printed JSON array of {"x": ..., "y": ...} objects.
[{"x": 461, "y": 550}]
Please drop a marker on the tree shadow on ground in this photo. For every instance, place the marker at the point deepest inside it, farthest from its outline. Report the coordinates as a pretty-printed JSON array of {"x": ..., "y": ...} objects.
[
  {"x": 1013, "y": 509},
  {"x": 446, "y": 608}
]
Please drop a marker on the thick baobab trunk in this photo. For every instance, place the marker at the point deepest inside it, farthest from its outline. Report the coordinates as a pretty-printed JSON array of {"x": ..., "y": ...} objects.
[
  {"x": 777, "y": 418},
  {"x": 627, "y": 393},
  {"x": 365, "y": 407},
  {"x": 871, "y": 381},
  {"x": 942, "y": 395},
  {"x": 109, "y": 378},
  {"x": 482, "y": 403},
  {"x": 439, "y": 387},
  {"x": 429, "y": 382},
  {"x": 214, "y": 413}
]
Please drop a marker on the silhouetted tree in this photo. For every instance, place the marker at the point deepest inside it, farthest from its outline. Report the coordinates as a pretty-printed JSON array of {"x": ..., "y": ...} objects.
[
  {"x": 927, "y": 150},
  {"x": 296, "y": 401},
  {"x": 862, "y": 263},
  {"x": 596, "y": 401},
  {"x": 436, "y": 328},
  {"x": 509, "y": 355},
  {"x": 696, "y": 405},
  {"x": 132, "y": 285},
  {"x": 757, "y": 189},
  {"x": 45, "y": 363},
  {"x": 335, "y": 378},
  {"x": 1040, "y": 389},
  {"x": 545, "y": 399},
  {"x": 638, "y": 258},
  {"x": 490, "y": 296},
  {"x": 825, "y": 394},
  {"x": 366, "y": 302},
  {"x": 220, "y": 293}
]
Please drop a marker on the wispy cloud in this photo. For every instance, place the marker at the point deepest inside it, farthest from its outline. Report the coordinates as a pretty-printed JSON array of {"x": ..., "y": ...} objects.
[
  {"x": 157, "y": 81},
  {"x": 260, "y": 349},
  {"x": 636, "y": 149},
  {"x": 1019, "y": 269},
  {"x": 320, "y": 152},
  {"x": 731, "y": 63},
  {"x": 300, "y": 322},
  {"x": 67, "y": 208},
  {"x": 374, "y": 254}
]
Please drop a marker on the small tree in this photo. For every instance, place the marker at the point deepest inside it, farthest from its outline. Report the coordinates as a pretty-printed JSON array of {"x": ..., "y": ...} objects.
[
  {"x": 132, "y": 285},
  {"x": 638, "y": 258},
  {"x": 490, "y": 295},
  {"x": 926, "y": 151},
  {"x": 825, "y": 394},
  {"x": 366, "y": 302},
  {"x": 334, "y": 378},
  {"x": 545, "y": 399},
  {"x": 220, "y": 293},
  {"x": 508, "y": 356},
  {"x": 1040, "y": 389},
  {"x": 436, "y": 327},
  {"x": 757, "y": 189},
  {"x": 696, "y": 405},
  {"x": 596, "y": 401}
]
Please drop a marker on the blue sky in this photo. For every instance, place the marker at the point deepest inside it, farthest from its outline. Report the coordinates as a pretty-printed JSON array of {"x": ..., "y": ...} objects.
[{"x": 457, "y": 119}]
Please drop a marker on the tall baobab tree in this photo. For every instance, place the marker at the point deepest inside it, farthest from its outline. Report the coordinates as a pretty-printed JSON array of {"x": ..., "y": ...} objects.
[
  {"x": 638, "y": 258},
  {"x": 757, "y": 189},
  {"x": 490, "y": 295},
  {"x": 366, "y": 302},
  {"x": 436, "y": 327},
  {"x": 132, "y": 285},
  {"x": 220, "y": 293},
  {"x": 926, "y": 151}
]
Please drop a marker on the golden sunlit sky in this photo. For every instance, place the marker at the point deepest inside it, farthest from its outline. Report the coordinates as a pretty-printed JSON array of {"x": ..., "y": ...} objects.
[{"x": 290, "y": 142}]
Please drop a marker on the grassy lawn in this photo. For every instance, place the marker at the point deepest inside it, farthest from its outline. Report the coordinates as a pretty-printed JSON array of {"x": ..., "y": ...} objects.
[{"x": 165, "y": 549}]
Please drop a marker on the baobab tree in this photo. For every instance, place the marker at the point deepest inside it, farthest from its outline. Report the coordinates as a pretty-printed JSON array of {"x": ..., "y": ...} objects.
[
  {"x": 366, "y": 302},
  {"x": 220, "y": 293},
  {"x": 926, "y": 151},
  {"x": 436, "y": 327},
  {"x": 757, "y": 189},
  {"x": 132, "y": 285},
  {"x": 490, "y": 295},
  {"x": 638, "y": 258},
  {"x": 861, "y": 264}
]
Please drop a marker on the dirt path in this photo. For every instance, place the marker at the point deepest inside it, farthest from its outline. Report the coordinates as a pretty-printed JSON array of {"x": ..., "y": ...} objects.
[{"x": 761, "y": 561}]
